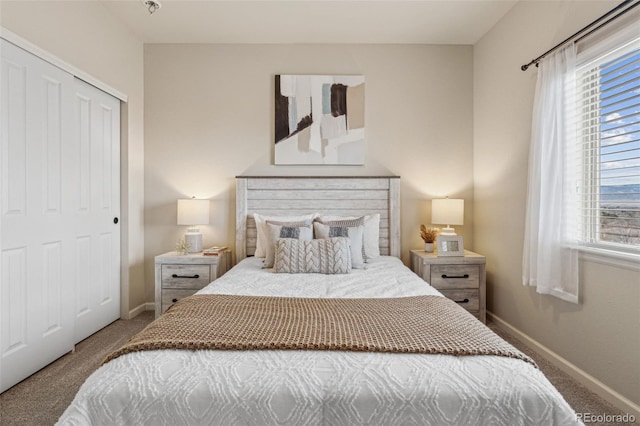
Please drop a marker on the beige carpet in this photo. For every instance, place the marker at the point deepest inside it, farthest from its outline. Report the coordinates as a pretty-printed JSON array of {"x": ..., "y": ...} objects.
[
  {"x": 41, "y": 398},
  {"x": 581, "y": 399}
]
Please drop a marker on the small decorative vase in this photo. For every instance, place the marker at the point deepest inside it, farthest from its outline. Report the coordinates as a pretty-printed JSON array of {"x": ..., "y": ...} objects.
[
  {"x": 182, "y": 247},
  {"x": 428, "y": 247}
]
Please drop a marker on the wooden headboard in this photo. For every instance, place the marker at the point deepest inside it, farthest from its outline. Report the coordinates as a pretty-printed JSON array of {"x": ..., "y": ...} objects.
[{"x": 344, "y": 196}]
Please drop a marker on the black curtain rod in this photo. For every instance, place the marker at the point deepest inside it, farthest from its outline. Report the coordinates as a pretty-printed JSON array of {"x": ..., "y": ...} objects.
[{"x": 597, "y": 21}]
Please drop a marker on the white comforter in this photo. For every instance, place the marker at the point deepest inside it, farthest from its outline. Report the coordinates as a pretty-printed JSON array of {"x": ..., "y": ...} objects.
[{"x": 176, "y": 387}]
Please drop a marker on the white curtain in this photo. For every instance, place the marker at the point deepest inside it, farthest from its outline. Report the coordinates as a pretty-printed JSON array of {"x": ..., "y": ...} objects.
[{"x": 550, "y": 258}]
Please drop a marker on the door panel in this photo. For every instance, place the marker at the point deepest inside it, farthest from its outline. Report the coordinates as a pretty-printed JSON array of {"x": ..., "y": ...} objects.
[
  {"x": 96, "y": 149},
  {"x": 37, "y": 327}
]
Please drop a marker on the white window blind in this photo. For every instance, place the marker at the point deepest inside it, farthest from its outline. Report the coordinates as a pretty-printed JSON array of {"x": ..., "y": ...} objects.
[{"x": 608, "y": 148}]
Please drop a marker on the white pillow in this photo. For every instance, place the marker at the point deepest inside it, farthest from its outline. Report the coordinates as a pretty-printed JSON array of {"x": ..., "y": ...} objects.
[
  {"x": 354, "y": 233},
  {"x": 261, "y": 227},
  {"x": 276, "y": 232},
  {"x": 371, "y": 232}
]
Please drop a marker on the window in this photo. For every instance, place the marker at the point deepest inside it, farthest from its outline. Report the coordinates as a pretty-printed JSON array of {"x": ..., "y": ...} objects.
[{"x": 608, "y": 146}]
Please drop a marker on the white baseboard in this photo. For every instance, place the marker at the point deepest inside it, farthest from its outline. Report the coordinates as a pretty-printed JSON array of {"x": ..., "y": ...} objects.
[
  {"x": 141, "y": 308},
  {"x": 605, "y": 392}
]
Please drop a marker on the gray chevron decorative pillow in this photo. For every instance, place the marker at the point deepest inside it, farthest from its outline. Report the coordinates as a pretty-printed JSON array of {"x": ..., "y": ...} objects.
[{"x": 323, "y": 256}]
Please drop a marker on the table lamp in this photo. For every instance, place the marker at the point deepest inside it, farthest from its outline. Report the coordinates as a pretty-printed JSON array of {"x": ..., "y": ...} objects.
[
  {"x": 447, "y": 211},
  {"x": 193, "y": 212}
]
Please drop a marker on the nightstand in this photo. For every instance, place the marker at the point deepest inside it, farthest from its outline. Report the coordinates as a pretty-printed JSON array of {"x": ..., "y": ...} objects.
[
  {"x": 461, "y": 279},
  {"x": 179, "y": 276}
]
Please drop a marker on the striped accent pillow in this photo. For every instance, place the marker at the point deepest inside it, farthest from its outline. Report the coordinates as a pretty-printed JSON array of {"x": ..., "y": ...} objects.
[
  {"x": 326, "y": 256},
  {"x": 371, "y": 245},
  {"x": 344, "y": 222}
]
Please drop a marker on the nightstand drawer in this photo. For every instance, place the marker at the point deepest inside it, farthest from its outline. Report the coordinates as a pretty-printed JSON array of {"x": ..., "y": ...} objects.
[
  {"x": 169, "y": 297},
  {"x": 185, "y": 276},
  {"x": 468, "y": 299},
  {"x": 455, "y": 276}
]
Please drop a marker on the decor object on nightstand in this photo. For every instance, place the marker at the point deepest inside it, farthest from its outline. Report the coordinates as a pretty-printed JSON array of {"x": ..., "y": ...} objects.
[
  {"x": 461, "y": 279},
  {"x": 428, "y": 235},
  {"x": 214, "y": 251},
  {"x": 193, "y": 212},
  {"x": 179, "y": 276},
  {"x": 450, "y": 245},
  {"x": 182, "y": 246}
]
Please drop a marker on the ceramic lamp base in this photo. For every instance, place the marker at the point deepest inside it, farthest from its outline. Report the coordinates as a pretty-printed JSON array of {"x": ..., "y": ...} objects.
[
  {"x": 448, "y": 231},
  {"x": 193, "y": 238}
]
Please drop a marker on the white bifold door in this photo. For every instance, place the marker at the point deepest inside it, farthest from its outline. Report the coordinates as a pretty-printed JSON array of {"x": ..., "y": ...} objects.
[{"x": 60, "y": 204}]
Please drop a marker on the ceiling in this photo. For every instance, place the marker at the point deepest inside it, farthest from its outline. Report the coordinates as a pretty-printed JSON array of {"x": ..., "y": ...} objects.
[{"x": 304, "y": 21}]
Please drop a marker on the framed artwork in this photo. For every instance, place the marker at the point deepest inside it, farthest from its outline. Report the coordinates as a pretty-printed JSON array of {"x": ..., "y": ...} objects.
[
  {"x": 450, "y": 245},
  {"x": 319, "y": 119}
]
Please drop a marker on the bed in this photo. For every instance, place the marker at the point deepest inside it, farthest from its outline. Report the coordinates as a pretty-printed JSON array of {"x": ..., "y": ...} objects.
[{"x": 329, "y": 387}]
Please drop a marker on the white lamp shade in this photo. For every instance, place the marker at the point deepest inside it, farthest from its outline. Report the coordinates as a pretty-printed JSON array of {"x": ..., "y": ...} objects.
[
  {"x": 447, "y": 211},
  {"x": 193, "y": 211}
]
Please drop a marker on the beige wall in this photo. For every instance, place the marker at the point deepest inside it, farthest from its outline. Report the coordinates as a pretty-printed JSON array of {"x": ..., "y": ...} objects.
[
  {"x": 209, "y": 117},
  {"x": 86, "y": 36},
  {"x": 600, "y": 335}
]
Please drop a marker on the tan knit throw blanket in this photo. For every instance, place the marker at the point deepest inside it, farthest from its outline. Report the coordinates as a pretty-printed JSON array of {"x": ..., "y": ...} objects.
[{"x": 420, "y": 324}]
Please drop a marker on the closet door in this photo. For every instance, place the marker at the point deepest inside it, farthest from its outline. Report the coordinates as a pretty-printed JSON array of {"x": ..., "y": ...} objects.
[
  {"x": 36, "y": 308},
  {"x": 59, "y": 245},
  {"x": 96, "y": 208}
]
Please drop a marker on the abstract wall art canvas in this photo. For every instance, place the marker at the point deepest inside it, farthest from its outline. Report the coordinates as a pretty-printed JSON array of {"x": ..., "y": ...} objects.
[{"x": 319, "y": 119}]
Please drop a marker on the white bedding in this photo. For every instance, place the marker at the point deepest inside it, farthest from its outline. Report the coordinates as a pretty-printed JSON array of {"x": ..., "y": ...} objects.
[{"x": 175, "y": 387}]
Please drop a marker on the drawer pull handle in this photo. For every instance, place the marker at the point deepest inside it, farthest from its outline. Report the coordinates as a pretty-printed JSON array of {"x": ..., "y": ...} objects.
[
  {"x": 174, "y": 300},
  {"x": 455, "y": 276},
  {"x": 462, "y": 301},
  {"x": 185, "y": 276}
]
